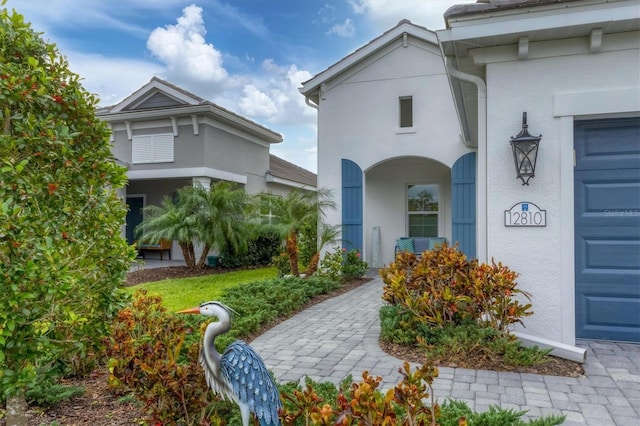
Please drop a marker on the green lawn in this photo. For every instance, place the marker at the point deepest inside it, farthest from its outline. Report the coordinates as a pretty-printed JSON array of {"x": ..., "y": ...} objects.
[{"x": 185, "y": 293}]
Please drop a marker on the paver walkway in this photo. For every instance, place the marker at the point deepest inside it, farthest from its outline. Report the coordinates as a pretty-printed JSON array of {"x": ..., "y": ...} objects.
[{"x": 338, "y": 337}]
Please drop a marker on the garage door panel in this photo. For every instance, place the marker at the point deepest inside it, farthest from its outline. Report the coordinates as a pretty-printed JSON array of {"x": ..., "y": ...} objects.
[
  {"x": 609, "y": 315},
  {"x": 608, "y": 251},
  {"x": 607, "y": 198},
  {"x": 621, "y": 149},
  {"x": 607, "y": 229}
]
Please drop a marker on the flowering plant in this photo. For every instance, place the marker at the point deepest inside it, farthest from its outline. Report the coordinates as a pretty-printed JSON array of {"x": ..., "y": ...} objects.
[{"x": 341, "y": 264}]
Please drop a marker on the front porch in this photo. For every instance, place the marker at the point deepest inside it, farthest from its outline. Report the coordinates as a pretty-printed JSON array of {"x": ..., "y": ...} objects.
[{"x": 407, "y": 196}]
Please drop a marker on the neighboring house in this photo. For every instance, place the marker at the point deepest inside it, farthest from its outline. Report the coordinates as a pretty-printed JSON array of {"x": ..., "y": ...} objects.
[
  {"x": 574, "y": 68},
  {"x": 168, "y": 138}
]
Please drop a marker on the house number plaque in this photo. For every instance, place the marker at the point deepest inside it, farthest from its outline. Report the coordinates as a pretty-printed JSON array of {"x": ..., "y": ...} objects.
[{"x": 525, "y": 214}]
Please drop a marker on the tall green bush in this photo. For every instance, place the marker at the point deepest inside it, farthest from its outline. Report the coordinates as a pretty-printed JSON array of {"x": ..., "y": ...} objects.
[
  {"x": 62, "y": 257},
  {"x": 261, "y": 248}
]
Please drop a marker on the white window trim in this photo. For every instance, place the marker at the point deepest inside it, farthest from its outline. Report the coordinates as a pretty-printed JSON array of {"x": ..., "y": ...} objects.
[
  {"x": 440, "y": 212},
  {"x": 400, "y": 99}
]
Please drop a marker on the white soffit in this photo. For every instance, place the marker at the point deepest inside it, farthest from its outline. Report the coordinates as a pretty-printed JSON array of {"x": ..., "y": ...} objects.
[{"x": 542, "y": 18}]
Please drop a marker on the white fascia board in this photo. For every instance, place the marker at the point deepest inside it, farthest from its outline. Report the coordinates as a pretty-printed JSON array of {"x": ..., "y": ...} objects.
[
  {"x": 518, "y": 21},
  {"x": 393, "y": 34},
  {"x": 187, "y": 172},
  {"x": 138, "y": 95},
  {"x": 274, "y": 179},
  {"x": 224, "y": 116}
]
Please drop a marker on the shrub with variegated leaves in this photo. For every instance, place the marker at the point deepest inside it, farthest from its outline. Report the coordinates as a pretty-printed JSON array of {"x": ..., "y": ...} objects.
[{"x": 443, "y": 287}]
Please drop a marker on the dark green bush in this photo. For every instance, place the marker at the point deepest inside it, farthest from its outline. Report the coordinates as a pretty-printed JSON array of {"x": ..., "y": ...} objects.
[
  {"x": 451, "y": 412},
  {"x": 396, "y": 326},
  {"x": 281, "y": 263},
  {"x": 260, "y": 251}
]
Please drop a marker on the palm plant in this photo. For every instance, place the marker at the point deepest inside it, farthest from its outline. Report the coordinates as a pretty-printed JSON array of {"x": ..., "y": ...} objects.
[
  {"x": 214, "y": 218},
  {"x": 291, "y": 212},
  {"x": 173, "y": 220},
  {"x": 220, "y": 217}
]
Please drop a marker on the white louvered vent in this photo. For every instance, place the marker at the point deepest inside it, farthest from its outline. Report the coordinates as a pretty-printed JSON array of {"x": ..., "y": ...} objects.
[{"x": 152, "y": 149}]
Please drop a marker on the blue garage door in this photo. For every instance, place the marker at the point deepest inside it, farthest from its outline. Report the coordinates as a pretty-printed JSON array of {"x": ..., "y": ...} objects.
[{"x": 607, "y": 229}]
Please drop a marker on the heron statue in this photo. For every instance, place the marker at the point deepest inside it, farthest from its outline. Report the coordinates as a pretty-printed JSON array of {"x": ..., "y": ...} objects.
[{"x": 239, "y": 374}]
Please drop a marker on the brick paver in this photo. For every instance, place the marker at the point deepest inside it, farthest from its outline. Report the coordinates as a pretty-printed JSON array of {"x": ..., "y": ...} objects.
[{"x": 338, "y": 337}]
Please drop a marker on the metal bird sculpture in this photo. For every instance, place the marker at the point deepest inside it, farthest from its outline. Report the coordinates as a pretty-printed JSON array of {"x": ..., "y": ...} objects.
[{"x": 239, "y": 374}]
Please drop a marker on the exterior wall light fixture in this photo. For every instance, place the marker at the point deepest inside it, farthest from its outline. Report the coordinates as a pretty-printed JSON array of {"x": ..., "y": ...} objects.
[{"x": 525, "y": 152}]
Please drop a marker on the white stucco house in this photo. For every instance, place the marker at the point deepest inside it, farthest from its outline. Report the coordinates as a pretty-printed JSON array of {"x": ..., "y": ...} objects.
[{"x": 436, "y": 111}]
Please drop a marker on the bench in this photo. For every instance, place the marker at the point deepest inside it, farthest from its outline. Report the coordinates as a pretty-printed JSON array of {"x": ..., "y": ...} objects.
[
  {"x": 417, "y": 245},
  {"x": 162, "y": 247}
]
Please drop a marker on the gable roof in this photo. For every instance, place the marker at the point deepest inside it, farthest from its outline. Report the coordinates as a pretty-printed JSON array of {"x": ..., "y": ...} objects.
[
  {"x": 157, "y": 87},
  {"x": 311, "y": 88},
  {"x": 161, "y": 99},
  {"x": 284, "y": 172}
]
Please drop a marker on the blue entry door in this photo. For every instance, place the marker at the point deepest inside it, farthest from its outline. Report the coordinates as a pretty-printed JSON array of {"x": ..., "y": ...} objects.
[{"x": 607, "y": 229}]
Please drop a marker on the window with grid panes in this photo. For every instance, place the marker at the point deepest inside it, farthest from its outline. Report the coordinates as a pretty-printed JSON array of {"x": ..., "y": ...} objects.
[{"x": 422, "y": 209}]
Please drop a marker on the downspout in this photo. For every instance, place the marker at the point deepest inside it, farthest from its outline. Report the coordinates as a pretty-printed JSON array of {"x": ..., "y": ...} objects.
[
  {"x": 558, "y": 349},
  {"x": 481, "y": 187}
]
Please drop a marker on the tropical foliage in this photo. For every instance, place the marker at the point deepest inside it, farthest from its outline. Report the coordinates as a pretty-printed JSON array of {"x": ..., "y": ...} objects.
[
  {"x": 289, "y": 214},
  {"x": 442, "y": 287},
  {"x": 62, "y": 260},
  {"x": 215, "y": 218},
  {"x": 154, "y": 353},
  {"x": 342, "y": 265},
  {"x": 456, "y": 310}
]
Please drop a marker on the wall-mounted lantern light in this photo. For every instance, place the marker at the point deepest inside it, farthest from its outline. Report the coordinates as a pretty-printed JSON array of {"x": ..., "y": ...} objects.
[{"x": 525, "y": 152}]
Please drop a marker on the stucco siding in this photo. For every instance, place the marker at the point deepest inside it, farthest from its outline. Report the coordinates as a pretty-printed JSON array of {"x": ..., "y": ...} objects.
[
  {"x": 540, "y": 254},
  {"x": 358, "y": 120}
]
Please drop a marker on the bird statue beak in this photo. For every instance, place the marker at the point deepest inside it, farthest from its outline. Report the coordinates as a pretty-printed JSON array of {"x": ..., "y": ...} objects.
[{"x": 195, "y": 310}]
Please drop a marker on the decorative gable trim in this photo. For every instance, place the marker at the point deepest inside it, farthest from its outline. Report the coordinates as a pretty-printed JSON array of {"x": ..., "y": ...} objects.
[
  {"x": 399, "y": 32},
  {"x": 151, "y": 89}
]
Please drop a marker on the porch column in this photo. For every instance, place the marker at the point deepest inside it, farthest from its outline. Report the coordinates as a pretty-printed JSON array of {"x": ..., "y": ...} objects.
[{"x": 202, "y": 181}]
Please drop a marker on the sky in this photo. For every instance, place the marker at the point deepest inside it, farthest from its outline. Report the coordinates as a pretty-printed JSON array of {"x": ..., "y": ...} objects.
[{"x": 249, "y": 56}]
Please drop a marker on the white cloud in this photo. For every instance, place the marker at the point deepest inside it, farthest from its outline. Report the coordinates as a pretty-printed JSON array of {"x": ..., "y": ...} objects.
[
  {"x": 112, "y": 79},
  {"x": 384, "y": 14},
  {"x": 189, "y": 59},
  {"x": 257, "y": 103},
  {"x": 346, "y": 29},
  {"x": 275, "y": 98},
  {"x": 326, "y": 14}
]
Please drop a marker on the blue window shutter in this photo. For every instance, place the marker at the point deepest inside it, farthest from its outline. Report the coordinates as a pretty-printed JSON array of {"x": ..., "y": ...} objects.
[
  {"x": 351, "y": 205},
  {"x": 463, "y": 203}
]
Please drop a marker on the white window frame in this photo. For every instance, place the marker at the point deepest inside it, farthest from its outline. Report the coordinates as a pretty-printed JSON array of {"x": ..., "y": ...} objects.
[
  {"x": 401, "y": 116},
  {"x": 156, "y": 148},
  {"x": 437, "y": 213}
]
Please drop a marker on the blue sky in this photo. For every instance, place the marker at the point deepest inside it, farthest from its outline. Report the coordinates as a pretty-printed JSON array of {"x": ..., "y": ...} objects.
[{"x": 249, "y": 56}]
